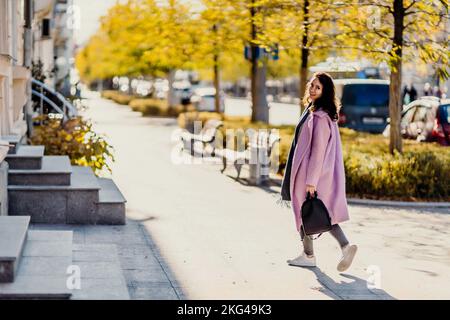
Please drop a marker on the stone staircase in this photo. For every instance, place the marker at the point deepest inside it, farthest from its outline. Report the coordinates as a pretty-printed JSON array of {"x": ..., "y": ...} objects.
[
  {"x": 33, "y": 264},
  {"x": 39, "y": 264},
  {"x": 50, "y": 190}
]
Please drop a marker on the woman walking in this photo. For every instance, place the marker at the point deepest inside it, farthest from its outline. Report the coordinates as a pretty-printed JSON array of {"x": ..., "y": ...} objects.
[{"x": 315, "y": 163}]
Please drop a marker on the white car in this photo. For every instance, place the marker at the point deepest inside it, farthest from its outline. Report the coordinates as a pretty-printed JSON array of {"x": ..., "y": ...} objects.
[{"x": 204, "y": 99}]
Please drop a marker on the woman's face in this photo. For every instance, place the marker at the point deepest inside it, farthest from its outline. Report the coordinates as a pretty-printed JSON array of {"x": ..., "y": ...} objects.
[{"x": 315, "y": 90}]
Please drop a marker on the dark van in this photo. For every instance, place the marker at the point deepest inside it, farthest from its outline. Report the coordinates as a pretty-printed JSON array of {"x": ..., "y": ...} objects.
[{"x": 365, "y": 104}]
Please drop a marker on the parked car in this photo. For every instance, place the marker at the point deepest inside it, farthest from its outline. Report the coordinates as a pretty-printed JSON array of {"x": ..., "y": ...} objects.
[
  {"x": 365, "y": 104},
  {"x": 204, "y": 99},
  {"x": 425, "y": 119}
]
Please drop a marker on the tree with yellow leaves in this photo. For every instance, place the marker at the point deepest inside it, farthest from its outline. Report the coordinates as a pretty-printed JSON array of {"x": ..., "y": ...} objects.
[
  {"x": 141, "y": 37},
  {"x": 221, "y": 38},
  {"x": 300, "y": 27},
  {"x": 395, "y": 31}
]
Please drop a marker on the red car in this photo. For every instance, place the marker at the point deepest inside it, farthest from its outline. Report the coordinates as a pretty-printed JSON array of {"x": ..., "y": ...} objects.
[{"x": 426, "y": 119}]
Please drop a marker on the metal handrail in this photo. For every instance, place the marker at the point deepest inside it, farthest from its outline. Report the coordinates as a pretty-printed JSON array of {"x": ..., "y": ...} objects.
[
  {"x": 66, "y": 104},
  {"x": 50, "y": 102}
]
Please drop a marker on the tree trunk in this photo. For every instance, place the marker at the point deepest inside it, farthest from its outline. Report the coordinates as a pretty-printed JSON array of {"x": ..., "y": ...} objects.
[
  {"x": 395, "y": 103},
  {"x": 395, "y": 110},
  {"x": 216, "y": 72},
  {"x": 260, "y": 108},
  {"x": 303, "y": 76},
  {"x": 217, "y": 83},
  {"x": 305, "y": 53},
  {"x": 171, "y": 99}
]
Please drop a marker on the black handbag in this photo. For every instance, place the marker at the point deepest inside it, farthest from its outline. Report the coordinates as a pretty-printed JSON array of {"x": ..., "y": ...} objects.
[{"x": 315, "y": 217}]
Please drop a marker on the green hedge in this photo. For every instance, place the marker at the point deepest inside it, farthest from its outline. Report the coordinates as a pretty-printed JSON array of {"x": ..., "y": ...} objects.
[
  {"x": 156, "y": 107},
  {"x": 117, "y": 96},
  {"x": 148, "y": 106},
  {"x": 422, "y": 172}
]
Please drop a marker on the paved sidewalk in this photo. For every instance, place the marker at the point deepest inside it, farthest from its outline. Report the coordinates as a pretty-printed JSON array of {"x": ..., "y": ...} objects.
[
  {"x": 220, "y": 239},
  {"x": 106, "y": 254}
]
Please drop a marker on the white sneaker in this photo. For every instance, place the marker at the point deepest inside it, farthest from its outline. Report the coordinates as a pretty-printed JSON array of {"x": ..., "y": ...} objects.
[
  {"x": 303, "y": 261},
  {"x": 348, "y": 253}
]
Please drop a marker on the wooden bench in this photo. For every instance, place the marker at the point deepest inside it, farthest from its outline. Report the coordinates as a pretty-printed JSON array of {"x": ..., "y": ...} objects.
[
  {"x": 258, "y": 155},
  {"x": 202, "y": 141}
]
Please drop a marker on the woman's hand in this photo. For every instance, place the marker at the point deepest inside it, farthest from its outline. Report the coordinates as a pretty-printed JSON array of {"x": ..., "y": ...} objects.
[{"x": 311, "y": 189}]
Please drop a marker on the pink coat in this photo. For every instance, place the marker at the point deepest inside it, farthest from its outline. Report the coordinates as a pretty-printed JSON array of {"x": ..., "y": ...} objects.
[{"x": 318, "y": 161}]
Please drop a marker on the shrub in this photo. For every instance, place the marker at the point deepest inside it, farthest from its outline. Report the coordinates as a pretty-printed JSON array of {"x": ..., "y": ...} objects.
[
  {"x": 76, "y": 139},
  {"x": 156, "y": 107},
  {"x": 186, "y": 119},
  {"x": 408, "y": 176},
  {"x": 148, "y": 106},
  {"x": 116, "y": 96}
]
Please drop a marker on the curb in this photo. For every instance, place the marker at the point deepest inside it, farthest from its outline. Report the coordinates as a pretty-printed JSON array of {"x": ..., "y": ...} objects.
[
  {"x": 401, "y": 204},
  {"x": 390, "y": 203}
]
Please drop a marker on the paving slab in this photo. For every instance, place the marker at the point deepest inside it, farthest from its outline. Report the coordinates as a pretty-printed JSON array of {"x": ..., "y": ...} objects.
[
  {"x": 42, "y": 273},
  {"x": 101, "y": 278}
]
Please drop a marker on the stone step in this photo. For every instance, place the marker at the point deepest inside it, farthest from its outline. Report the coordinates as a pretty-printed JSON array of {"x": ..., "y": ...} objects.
[
  {"x": 42, "y": 273},
  {"x": 26, "y": 157},
  {"x": 73, "y": 204},
  {"x": 111, "y": 205},
  {"x": 14, "y": 140},
  {"x": 56, "y": 170},
  {"x": 13, "y": 234}
]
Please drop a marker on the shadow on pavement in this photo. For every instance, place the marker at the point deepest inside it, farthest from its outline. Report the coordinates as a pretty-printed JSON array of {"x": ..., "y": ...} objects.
[
  {"x": 155, "y": 280},
  {"x": 356, "y": 289},
  {"x": 268, "y": 186}
]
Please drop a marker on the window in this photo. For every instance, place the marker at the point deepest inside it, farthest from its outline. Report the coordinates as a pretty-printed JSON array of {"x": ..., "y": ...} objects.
[
  {"x": 421, "y": 113},
  {"x": 45, "y": 28},
  {"x": 408, "y": 116},
  {"x": 366, "y": 95},
  {"x": 444, "y": 112}
]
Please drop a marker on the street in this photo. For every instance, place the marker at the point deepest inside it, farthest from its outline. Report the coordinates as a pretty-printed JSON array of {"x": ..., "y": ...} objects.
[
  {"x": 279, "y": 113},
  {"x": 225, "y": 240}
]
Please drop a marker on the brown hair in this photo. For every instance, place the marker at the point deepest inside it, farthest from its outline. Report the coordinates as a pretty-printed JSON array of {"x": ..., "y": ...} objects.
[{"x": 328, "y": 101}]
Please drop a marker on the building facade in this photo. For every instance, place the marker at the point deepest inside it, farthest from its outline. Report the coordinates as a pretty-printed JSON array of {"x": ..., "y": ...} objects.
[
  {"x": 14, "y": 76},
  {"x": 36, "y": 31}
]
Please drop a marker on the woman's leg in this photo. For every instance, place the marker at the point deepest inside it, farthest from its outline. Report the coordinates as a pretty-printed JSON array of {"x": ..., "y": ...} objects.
[
  {"x": 348, "y": 251},
  {"x": 306, "y": 259},
  {"x": 307, "y": 244},
  {"x": 338, "y": 234}
]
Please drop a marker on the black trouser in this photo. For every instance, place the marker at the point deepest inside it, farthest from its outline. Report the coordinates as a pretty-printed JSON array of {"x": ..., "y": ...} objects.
[{"x": 335, "y": 231}]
